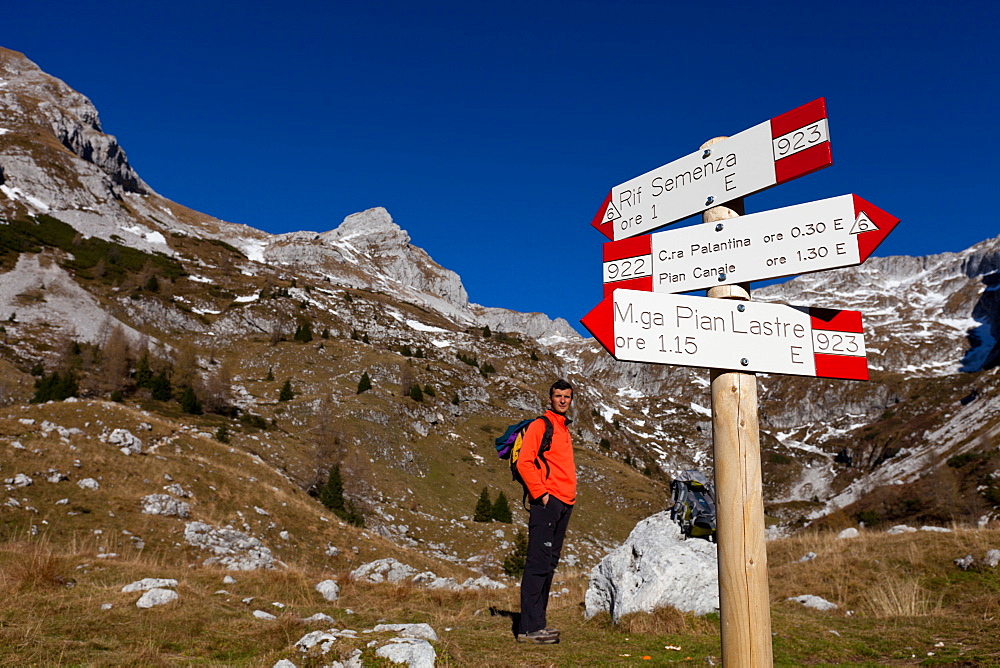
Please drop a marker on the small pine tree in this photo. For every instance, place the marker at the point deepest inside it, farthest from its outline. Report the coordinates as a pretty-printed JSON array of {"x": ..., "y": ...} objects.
[
  {"x": 160, "y": 387},
  {"x": 365, "y": 383},
  {"x": 303, "y": 332},
  {"x": 605, "y": 444},
  {"x": 364, "y": 338},
  {"x": 332, "y": 496},
  {"x": 429, "y": 391},
  {"x": 501, "y": 510},
  {"x": 189, "y": 401},
  {"x": 222, "y": 434},
  {"x": 355, "y": 336},
  {"x": 270, "y": 374},
  {"x": 455, "y": 400},
  {"x": 325, "y": 334},
  {"x": 486, "y": 332},
  {"x": 533, "y": 356},
  {"x": 513, "y": 563},
  {"x": 332, "y": 493},
  {"x": 286, "y": 393},
  {"x": 405, "y": 351},
  {"x": 153, "y": 284},
  {"x": 416, "y": 393},
  {"x": 484, "y": 508},
  {"x": 143, "y": 372}
]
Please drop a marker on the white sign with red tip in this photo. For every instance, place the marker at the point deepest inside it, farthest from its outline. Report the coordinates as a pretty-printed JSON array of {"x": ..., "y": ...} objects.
[
  {"x": 826, "y": 234},
  {"x": 778, "y": 150},
  {"x": 637, "y": 326}
]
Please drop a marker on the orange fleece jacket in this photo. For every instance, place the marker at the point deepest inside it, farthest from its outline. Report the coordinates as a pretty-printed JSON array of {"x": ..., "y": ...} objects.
[{"x": 561, "y": 481}]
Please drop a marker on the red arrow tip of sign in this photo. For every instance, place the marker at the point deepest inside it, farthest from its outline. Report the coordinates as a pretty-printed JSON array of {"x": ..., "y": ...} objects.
[
  {"x": 885, "y": 222},
  {"x": 602, "y": 226},
  {"x": 600, "y": 323}
]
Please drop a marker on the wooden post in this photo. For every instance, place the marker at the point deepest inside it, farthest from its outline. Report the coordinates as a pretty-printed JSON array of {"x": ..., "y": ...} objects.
[{"x": 743, "y": 595}]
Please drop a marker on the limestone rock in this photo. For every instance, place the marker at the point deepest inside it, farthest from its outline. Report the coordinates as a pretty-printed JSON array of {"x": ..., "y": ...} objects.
[
  {"x": 161, "y": 504},
  {"x": 655, "y": 568},
  {"x": 233, "y": 549},
  {"x": 814, "y": 602},
  {"x": 900, "y": 528},
  {"x": 329, "y": 589},
  {"x": 408, "y": 630},
  {"x": 849, "y": 532},
  {"x": 383, "y": 570},
  {"x": 415, "y": 653},
  {"x": 149, "y": 583},
  {"x": 155, "y": 597},
  {"x": 126, "y": 440}
]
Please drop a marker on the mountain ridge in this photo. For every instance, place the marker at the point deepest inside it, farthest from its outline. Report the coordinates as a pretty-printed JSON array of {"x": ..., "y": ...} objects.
[{"x": 215, "y": 304}]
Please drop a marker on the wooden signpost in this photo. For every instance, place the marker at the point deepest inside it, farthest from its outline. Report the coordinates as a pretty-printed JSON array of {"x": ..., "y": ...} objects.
[{"x": 729, "y": 334}]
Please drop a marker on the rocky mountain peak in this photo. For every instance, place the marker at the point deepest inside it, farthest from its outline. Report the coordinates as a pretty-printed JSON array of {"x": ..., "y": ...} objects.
[
  {"x": 27, "y": 93},
  {"x": 373, "y": 229}
]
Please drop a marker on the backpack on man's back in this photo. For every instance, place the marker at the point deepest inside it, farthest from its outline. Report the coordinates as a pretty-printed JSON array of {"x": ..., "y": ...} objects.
[{"x": 508, "y": 447}]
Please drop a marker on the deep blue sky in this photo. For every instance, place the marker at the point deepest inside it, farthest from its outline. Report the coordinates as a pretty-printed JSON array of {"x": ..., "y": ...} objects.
[{"x": 492, "y": 131}]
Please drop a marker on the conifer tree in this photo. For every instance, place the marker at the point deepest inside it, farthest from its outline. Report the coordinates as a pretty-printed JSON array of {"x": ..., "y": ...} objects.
[
  {"x": 416, "y": 393},
  {"x": 332, "y": 496},
  {"x": 501, "y": 509},
  {"x": 160, "y": 387},
  {"x": 484, "y": 508},
  {"x": 513, "y": 563},
  {"x": 365, "y": 383},
  {"x": 143, "y": 372},
  {"x": 286, "y": 393},
  {"x": 189, "y": 401},
  {"x": 303, "y": 332}
]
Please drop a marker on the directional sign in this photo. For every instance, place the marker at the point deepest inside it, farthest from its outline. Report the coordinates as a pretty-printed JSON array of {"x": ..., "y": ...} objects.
[
  {"x": 639, "y": 326},
  {"x": 775, "y": 151},
  {"x": 827, "y": 234}
]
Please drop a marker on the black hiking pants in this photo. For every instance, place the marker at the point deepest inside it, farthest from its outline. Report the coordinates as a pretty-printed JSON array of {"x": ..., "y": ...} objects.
[{"x": 546, "y": 530}]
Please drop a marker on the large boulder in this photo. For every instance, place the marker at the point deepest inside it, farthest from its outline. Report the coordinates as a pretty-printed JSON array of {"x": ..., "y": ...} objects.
[{"x": 654, "y": 568}]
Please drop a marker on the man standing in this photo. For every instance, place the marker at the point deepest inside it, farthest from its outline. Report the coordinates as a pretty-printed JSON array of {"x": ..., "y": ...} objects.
[{"x": 551, "y": 481}]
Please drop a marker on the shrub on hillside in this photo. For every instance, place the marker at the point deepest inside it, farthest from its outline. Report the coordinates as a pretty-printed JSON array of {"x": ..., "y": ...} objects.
[
  {"x": 286, "y": 393},
  {"x": 365, "y": 383}
]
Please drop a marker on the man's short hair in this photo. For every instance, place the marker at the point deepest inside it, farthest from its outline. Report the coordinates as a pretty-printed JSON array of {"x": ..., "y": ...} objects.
[{"x": 560, "y": 385}]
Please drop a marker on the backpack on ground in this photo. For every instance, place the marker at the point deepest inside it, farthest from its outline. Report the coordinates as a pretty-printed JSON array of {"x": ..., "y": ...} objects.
[
  {"x": 694, "y": 505},
  {"x": 508, "y": 447}
]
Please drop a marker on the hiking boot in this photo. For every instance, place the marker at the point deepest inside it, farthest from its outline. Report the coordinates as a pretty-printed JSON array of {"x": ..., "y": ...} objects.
[
  {"x": 551, "y": 632},
  {"x": 540, "y": 637}
]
